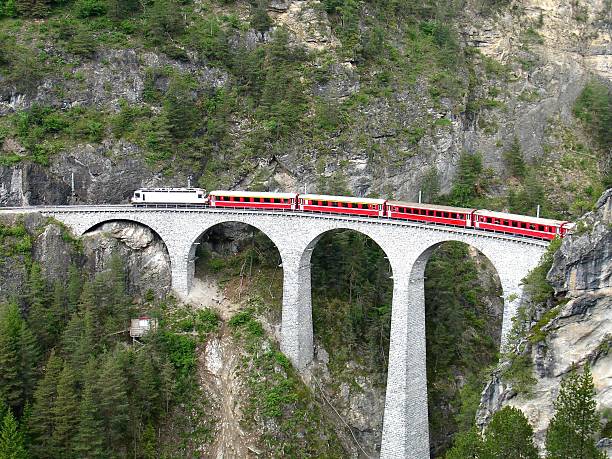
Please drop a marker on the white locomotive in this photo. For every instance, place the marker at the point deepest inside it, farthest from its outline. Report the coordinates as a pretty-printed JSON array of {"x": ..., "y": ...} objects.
[{"x": 145, "y": 196}]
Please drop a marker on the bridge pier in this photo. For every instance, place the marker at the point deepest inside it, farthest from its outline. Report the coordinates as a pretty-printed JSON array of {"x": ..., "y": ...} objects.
[
  {"x": 405, "y": 426},
  {"x": 296, "y": 327}
]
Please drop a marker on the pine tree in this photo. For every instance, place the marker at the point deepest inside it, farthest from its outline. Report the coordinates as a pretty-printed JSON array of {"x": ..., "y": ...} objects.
[
  {"x": 58, "y": 309},
  {"x": 24, "y": 7},
  {"x": 89, "y": 439},
  {"x": 467, "y": 445},
  {"x": 180, "y": 108},
  {"x": 148, "y": 386},
  {"x": 41, "y": 423},
  {"x": 260, "y": 19},
  {"x": 40, "y": 8},
  {"x": 65, "y": 409},
  {"x": 11, "y": 439},
  {"x": 570, "y": 432},
  {"x": 39, "y": 316},
  {"x": 73, "y": 291},
  {"x": 28, "y": 353},
  {"x": 15, "y": 364},
  {"x": 72, "y": 336},
  {"x": 509, "y": 436},
  {"x": 113, "y": 401},
  {"x": 10, "y": 385}
]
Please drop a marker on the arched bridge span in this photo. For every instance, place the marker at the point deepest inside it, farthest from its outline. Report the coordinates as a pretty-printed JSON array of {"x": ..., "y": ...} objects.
[{"x": 407, "y": 245}]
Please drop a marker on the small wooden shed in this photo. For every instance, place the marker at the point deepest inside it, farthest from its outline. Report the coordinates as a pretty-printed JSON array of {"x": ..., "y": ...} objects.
[{"x": 142, "y": 326}]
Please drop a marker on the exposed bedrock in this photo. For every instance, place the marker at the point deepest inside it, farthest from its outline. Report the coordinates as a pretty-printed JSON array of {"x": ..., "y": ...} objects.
[{"x": 580, "y": 333}]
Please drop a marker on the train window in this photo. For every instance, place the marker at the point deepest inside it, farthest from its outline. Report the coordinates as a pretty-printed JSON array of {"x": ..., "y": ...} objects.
[{"x": 136, "y": 195}]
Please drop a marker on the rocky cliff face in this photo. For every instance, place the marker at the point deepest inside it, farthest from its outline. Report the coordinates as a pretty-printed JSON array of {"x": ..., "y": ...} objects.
[
  {"x": 143, "y": 253},
  {"x": 581, "y": 332},
  {"x": 520, "y": 70}
]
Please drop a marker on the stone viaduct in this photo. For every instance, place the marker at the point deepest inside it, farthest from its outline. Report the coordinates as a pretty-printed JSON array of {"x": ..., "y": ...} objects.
[{"x": 407, "y": 245}]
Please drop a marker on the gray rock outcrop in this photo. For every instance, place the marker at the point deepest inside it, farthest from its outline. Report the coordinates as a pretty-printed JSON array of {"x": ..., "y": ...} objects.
[{"x": 581, "y": 332}]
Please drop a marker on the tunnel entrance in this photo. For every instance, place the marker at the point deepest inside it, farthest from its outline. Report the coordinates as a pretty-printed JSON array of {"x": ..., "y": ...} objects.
[{"x": 463, "y": 312}]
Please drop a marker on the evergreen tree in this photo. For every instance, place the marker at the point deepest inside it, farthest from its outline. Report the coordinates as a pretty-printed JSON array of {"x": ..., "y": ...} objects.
[
  {"x": 570, "y": 432},
  {"x": 41, "y": 423},
  {"x": 468, "y": 445},
  {"x": 65, "y": 409},
  {"x": 89, "y": 439},
  {"x": 113, "y": 401},
  {"x": 163, "y": 21},
  {"x": 509, "y": 436},
  {"x": 39, "y": 315},
  {"x": 58, "y": 309},
  {"x": 260, "y": 20},
  {"x": 122, "y": 9},
  {"x": 18, "y": 358},
  {"x": 11, "y": 390},
  {"x": 148, "y": 443},
  {"x": 467, "y": 185},
  {"x": 24, "y": 7},
  {"x": 180, "y": 108},
  {"x": 28, "y": 353},
  {"x": 73, "y": 291},
  {"x": 40, "y": 8},
  {"x": 514, "y": 160},
  {"x": 11, "y": 439}
]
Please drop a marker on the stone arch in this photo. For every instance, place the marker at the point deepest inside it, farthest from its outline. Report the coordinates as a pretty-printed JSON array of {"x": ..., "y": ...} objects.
[
  {"x": 145, "y": 254},
  {"x": 196, "y": 236},
  {"x": 363, "y": 230}
]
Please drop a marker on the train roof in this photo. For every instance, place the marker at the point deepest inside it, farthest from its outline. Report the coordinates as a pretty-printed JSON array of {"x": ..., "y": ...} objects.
[
  {"x": 326, "y": 197},
  {"x": 416, "y": 205},
  {"x": 252, "y": 194},
  {"x": 522, "y": 218},
  {"x": 167, "y": 189}
]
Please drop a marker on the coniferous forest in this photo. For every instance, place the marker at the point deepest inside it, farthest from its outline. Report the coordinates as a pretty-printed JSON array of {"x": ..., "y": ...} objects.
[{"x": 73, "y": 382}]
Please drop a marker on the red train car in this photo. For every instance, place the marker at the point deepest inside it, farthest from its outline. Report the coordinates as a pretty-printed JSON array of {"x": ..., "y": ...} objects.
[
  {"x": 253, "y": 200},
  {"x": 341, "y": 205},
  {"x": 542, "y": 228},
  {"x": 458, "y": 216}
]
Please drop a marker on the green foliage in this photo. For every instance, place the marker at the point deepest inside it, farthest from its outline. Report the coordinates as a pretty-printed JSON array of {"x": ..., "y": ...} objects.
[
  {"x": 536, "y": 286},
  {"x": 509, "y": 436},
  {"x": 277, "y": 396},
  {"x": 570, "y": 432},
  {"x": 352, "y": 290},
  {"x": 594, "y": 107},
  {"x": 18, "y": 358},
  {"x": 12, "y": 445},
  {"x": 181, "y": 353},
  {"x": 260, "y": 20},
  {"x": 179, "y": 108},
  {"x": 468, "y": 184},
  {"x": 513, "y": 158},
  {"x": 15, "y": 241},
  {"x": 207, "y": 322},
  {"x": 162, "y": 21},
  {"x": 89, "y": 8},
  {"x": 467, "y": 445},
  {"x": 458, "y": 338}
]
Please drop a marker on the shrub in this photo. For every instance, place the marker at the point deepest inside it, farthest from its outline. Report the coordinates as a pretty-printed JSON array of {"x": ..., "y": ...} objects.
[
  {"x": 89, "y": 8},
  {"x": 594, "y": 108}
]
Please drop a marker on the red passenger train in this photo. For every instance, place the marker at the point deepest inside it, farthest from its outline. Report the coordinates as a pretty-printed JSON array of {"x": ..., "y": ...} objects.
[{"x": 541, "y": 228}]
